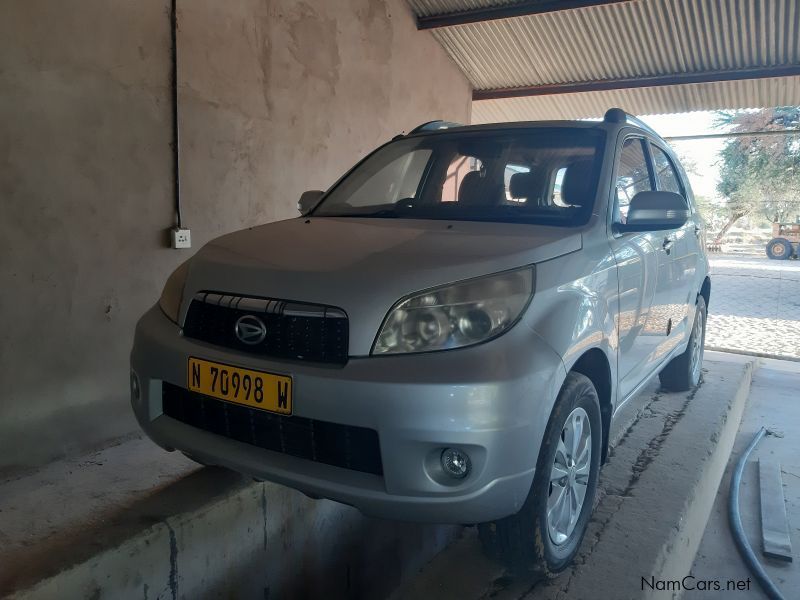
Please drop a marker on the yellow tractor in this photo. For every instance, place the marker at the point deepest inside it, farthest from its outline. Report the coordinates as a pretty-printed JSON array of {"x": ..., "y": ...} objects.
[{"x": 783, "y": 236}]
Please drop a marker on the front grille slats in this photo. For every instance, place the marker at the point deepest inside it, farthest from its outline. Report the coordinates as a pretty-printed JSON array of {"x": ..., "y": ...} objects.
[
  {"x": 295, "y": 331},
  {"x": 345, "y": 446}
]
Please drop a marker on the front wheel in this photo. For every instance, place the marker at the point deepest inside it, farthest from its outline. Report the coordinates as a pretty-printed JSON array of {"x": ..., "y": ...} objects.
[
  {"x": 682, "y": 373},
  {"x": 544, "y": 536}
]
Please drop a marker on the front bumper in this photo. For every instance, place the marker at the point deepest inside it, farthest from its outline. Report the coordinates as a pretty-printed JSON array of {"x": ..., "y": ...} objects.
[{"x": 491, "y": 400}]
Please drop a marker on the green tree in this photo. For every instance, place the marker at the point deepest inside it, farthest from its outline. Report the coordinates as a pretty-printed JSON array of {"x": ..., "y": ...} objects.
[
  {"x": 760, "y": 173},
  {"x": 712, "y": 212}
]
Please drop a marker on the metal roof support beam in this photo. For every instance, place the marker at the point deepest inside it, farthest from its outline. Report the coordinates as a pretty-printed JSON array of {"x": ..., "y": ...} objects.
[
  {"x": 549, "y": 89},
  {"x": 520, "y": 9},
  {"x": 732, "y": 134}
]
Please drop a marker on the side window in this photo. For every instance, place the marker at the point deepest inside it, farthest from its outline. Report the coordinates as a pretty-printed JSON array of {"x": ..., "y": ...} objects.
[
  {"x": 633, "y": 176},
  {"x": 668, "y": 179},
  {"x": 458, "y": 169}
]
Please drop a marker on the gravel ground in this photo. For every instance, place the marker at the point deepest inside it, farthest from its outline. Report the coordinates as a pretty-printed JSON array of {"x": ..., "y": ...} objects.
[{"x": 755, "y": 305}]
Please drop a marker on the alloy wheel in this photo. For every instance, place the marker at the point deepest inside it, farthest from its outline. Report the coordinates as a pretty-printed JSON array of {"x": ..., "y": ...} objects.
[
  {"x": 698, "y": 344},
  {"x": 569, "y": 476}
]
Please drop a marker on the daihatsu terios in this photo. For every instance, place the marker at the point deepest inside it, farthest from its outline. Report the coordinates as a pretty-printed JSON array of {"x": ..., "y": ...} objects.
[{"x": 446, "y": 334}]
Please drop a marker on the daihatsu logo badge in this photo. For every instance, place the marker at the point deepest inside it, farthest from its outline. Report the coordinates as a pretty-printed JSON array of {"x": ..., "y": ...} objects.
[{"x": 250, "y": 330}]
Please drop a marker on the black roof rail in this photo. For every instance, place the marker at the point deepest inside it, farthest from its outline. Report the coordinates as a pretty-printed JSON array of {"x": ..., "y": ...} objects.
[
  {"x": 434, "y": 126},
  {"x": 617, "y": 115}
]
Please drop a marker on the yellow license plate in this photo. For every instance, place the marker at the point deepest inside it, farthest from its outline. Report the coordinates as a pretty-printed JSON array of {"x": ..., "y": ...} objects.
[{"x": 266, "y": 391}]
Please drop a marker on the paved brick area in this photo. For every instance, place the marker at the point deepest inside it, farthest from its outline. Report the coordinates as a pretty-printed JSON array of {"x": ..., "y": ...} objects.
[{"x": 755, "y": 305}]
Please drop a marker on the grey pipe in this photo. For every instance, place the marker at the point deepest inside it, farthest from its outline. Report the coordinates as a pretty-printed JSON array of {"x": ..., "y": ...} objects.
[{"x": 735, "y": 520}]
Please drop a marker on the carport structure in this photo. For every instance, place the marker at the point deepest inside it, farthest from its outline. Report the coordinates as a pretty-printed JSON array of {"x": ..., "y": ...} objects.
[
  {"x": 275, "y": 97},
  {"x": 542, "y": 59}
]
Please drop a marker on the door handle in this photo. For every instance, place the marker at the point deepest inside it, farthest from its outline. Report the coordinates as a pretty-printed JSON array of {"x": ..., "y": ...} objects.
[
  {"x": 697, "y": 230},
  {"x": 667, "y": 245}
]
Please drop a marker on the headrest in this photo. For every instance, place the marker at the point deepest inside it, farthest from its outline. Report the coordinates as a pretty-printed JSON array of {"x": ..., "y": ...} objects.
[
  {"x": 523, "y": 185},
  {"x": 474, "y": 189},
  {"x": 577, "y": 182}
]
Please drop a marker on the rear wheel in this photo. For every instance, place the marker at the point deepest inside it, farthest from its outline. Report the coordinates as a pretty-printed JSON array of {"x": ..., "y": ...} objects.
[
  {"x": 544, "y": 536},
  {"x": 779, "y": 249},
  {"x": 683, "y": 372}
]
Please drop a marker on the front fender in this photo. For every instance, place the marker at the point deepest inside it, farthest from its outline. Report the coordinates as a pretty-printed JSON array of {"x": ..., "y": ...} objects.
[{"x": 576, "y": 315}]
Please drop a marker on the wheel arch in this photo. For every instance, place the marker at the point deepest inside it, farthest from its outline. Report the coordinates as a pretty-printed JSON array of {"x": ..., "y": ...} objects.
[
  {"x": 595, "y": 365},
  {"x": 705, "y": 290}
]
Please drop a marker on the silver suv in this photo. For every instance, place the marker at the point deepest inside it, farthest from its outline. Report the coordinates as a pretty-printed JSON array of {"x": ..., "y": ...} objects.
[{"x": 446, "y": 334}]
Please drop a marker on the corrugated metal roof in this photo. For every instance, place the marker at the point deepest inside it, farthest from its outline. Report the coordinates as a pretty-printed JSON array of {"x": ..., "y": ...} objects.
[{"x": 626, "y": 40}]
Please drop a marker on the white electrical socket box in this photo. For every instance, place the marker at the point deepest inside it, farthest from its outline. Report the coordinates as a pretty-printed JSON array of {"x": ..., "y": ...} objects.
[{"x": 181, "y": 238}]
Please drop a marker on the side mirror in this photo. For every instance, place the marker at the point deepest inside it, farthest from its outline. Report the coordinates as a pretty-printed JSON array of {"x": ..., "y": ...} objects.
[
  {"x": 308, "y": 200},
  {"x": 655, "y": 211}
]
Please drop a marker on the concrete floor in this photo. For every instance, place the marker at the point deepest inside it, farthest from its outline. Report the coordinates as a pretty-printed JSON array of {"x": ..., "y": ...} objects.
[{"x": 773, "y": 404}]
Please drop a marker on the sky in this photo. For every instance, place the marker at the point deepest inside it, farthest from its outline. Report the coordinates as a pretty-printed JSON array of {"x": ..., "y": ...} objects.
[{"x": 704, "y": 153}]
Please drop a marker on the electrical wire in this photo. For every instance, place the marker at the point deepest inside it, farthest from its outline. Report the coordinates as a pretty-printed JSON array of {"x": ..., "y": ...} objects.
[{"x": 175, "y": 131}]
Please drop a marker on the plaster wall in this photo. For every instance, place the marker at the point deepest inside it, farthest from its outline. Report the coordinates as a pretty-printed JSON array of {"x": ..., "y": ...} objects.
[{"x": 276, "y": 97}]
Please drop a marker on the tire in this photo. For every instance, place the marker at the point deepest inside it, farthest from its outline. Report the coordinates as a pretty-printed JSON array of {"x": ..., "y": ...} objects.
[
  {"x": 683, "y": 372},
  {"x": 779, "y": 249},
  {"x": 529, "y": 541}
]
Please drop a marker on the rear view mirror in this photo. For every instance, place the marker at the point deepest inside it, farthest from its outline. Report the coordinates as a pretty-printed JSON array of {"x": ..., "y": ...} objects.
[
  {"x": 308, "y": 200},
  {"x": 655, "y": 211}
]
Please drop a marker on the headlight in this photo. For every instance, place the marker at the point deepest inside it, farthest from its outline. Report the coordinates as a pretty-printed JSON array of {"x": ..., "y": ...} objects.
[
  {"x": 171, "y": 297},
  {"x": 457, "y": 315}
]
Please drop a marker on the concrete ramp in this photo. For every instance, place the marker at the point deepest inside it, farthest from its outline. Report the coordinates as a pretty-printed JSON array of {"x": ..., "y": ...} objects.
[{"x": 132, "y": 521}]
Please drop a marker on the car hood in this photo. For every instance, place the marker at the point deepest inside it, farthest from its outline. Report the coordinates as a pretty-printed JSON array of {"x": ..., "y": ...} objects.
[{"x": 364, "y": 266}]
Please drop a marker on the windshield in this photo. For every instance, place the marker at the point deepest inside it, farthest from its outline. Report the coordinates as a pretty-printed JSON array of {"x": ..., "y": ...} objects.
[{"x": 540, "y": 175}]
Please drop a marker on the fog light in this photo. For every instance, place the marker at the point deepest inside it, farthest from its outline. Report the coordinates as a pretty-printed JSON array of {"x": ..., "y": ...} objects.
[
  {"x": 135, "y": 391},
  {"x": 456, "y": 463}
]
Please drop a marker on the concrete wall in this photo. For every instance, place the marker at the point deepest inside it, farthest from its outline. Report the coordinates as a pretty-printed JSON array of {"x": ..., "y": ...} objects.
[{"x": 275, "y": 97}]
